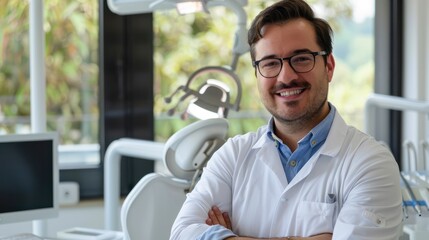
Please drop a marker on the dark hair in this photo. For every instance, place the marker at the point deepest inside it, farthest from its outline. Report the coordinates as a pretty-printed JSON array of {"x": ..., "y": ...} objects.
[{"x": 283, "y": 11}]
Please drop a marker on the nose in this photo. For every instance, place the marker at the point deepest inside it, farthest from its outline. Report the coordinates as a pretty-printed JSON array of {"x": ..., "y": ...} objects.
[{"x": 287, "y": 73}]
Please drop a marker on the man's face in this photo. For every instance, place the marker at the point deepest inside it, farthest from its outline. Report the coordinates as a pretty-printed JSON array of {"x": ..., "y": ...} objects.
[{"x": 291, "y": 96}]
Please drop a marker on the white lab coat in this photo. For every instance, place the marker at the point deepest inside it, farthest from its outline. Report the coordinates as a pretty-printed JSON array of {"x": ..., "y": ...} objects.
[{"x": 246, "y": 179}]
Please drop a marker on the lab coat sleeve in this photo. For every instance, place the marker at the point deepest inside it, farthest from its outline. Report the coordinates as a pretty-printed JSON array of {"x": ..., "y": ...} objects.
[
  {"x": 372, "y": 206},
  {"x": 213, "y": 189}
]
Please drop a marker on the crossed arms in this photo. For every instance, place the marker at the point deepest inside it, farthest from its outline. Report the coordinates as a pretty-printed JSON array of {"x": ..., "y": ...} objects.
[{"x": 215, "y": 216}]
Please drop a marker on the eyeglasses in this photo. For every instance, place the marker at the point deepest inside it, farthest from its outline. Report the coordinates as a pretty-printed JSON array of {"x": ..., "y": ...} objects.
[{"x": 300, "y": 63}]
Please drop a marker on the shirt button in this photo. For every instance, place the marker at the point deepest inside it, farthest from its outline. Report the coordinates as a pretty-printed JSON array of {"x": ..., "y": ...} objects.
[
  {"x": 313, "y": 142},
  {"x": 292, "y": 163}
]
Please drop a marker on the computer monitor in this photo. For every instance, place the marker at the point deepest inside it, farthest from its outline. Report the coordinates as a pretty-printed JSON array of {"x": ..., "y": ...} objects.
[{"x": 29, "y": 177}]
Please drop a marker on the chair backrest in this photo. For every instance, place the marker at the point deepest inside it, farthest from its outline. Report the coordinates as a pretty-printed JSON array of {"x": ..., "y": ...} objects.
[{"x": 151, "y": 207}]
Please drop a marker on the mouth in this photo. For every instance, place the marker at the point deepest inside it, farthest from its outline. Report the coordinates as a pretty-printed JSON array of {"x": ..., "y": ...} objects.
[{"x": 290, "y": 92}]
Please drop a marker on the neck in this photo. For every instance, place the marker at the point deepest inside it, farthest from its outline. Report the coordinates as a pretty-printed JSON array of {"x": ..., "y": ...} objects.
[{"x": 290, "y": 132}]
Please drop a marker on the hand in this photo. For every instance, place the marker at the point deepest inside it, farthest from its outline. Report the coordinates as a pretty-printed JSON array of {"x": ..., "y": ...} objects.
[{"x": 215, "y": 216}]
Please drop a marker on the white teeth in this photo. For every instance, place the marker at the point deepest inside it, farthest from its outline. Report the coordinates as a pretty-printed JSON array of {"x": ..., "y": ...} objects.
[{"x": 290, "y": 93}]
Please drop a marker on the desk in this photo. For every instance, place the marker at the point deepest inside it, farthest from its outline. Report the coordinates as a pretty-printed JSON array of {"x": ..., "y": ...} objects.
[
  {"x": 79, "y": 233},
  {"x": 71, "y": 234}
]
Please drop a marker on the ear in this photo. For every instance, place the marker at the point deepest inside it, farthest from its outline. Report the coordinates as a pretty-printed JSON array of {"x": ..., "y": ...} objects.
[{"x": 330, "y": 66}]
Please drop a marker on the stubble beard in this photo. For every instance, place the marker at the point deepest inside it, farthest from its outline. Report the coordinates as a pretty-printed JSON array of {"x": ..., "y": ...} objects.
[{"x": 301, "y": 122}]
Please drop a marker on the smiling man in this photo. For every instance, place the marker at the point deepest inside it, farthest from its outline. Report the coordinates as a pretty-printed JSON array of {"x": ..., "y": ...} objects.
[{"x": 306, "y": 174}]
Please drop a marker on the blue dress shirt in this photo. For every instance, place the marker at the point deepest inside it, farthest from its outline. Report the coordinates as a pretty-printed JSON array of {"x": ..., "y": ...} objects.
[{"x": 293, "y": 161}]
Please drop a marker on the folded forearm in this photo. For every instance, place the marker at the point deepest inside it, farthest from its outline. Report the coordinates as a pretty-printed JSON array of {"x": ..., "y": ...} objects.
[{"x": 325, "y": 236}]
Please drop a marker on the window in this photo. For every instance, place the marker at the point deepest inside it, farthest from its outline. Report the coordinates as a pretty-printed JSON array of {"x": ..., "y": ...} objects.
[{"x": 71, "y": 74}]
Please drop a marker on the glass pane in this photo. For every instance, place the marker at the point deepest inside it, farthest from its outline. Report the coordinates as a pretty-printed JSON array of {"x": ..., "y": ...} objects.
[
  {"x": 71, "y": 36},
  {"x": 353, "y": 79}
]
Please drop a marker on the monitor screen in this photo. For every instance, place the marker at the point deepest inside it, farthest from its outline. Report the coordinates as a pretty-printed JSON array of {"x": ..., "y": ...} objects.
[{"x": 28, "y": 177}]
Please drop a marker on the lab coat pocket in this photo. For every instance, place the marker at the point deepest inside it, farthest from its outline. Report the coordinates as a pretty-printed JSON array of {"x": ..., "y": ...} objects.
[{"x": 315, "y": 217}]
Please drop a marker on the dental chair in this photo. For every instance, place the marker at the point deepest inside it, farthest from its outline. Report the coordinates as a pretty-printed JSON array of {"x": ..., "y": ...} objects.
[{"x": 151, "y": 207}]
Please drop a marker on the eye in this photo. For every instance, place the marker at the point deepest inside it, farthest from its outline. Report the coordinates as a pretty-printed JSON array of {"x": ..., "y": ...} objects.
[
  {"x": 269, "y": 63},
  {"x": 302, "y": 59}
]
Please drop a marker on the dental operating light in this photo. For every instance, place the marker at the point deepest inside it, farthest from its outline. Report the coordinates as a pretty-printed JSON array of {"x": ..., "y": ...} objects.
[
  {"x": 212, "y": 98},
  {"x": 190, "y": 7},
  {"x": 211, "y": 103},
  {"x": 126, "y": 7}
]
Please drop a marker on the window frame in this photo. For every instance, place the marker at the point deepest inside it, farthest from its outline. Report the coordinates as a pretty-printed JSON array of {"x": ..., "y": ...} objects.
[{"x": 125, "y": 97}]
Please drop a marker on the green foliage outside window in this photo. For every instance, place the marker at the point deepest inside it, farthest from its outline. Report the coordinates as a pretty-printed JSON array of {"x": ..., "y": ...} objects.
[{"x": 71, "y": 37}]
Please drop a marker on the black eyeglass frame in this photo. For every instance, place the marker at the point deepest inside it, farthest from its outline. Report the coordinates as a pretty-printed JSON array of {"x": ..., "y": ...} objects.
[{"x": 281, "y": 60}]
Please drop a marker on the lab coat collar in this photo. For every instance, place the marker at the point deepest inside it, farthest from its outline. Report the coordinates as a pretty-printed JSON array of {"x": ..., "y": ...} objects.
[
  {"x": 331, "y": 147},
  {"x": 336, "y": 137},
  {"x": 333, "y": 142},
  {"x": 263, "y": 139}
]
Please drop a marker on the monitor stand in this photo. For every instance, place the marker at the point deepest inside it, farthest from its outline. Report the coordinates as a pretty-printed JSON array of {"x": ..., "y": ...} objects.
[{"x": 40, "y": 227}]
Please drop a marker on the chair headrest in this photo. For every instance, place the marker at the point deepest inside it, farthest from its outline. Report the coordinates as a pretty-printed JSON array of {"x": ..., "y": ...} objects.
[{"x": 190, "y": 147}]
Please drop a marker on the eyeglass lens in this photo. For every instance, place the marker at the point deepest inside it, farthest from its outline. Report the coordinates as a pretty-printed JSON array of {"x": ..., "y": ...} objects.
[{"x": 300, "y": 63}]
